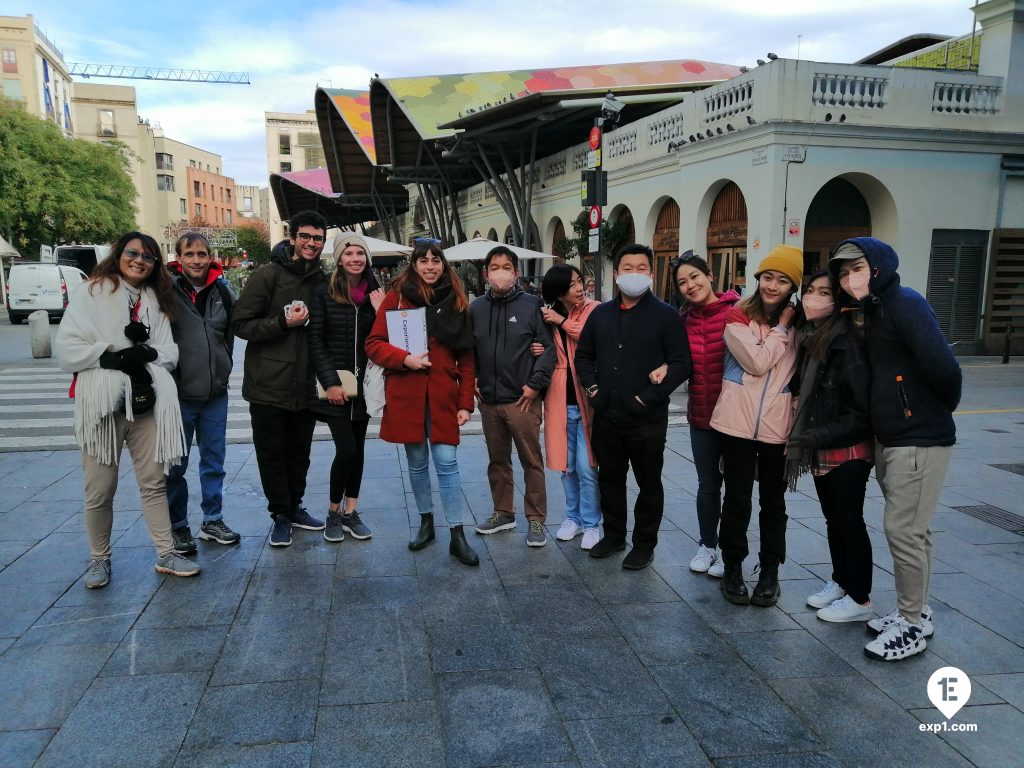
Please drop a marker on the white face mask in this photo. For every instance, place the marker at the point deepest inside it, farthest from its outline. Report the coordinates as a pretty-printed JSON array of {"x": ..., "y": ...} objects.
[
  {"x": 501, "y": 281},
  {"x": 634, "y": 284}
]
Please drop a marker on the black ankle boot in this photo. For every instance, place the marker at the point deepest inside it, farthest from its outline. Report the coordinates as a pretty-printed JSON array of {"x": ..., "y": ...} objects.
[
  {"x": 733, "y": 587},
  {"x": 460, "y": 549},
  {"x": 424, "y": 535},
  {"x": 767, "y": 591}
]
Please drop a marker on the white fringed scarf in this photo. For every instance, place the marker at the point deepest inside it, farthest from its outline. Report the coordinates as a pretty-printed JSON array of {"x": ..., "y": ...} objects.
[{"x": 93, "y": 323}]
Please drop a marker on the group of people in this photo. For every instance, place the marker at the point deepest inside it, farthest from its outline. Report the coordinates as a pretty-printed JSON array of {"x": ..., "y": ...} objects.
[{"x": 856, "y": 374}]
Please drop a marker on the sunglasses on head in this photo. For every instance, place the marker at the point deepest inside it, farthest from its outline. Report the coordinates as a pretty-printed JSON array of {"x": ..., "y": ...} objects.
[
  {"x": 427, "y": 240},
  {"x": 131, "y": 254},
  {"x": 683, "y": 259}
]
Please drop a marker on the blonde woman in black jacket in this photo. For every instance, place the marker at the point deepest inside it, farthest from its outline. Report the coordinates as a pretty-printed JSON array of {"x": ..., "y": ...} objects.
[{"x": 341, "y": 317}]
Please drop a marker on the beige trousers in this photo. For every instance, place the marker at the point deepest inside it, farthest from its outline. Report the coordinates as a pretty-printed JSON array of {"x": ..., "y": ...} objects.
[
  {"x": 504, "y": 424},
  {"x": 101, "y": 485},
  {"x": 911, "y": 479}
]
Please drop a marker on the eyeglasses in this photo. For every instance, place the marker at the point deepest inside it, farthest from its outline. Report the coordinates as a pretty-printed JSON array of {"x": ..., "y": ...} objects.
[
  {"x": 131, "y": 254},
  {"x": 305, "y": 237},
  {"x": 427, "y": 240},
  {"x": 683, "y": 259}
]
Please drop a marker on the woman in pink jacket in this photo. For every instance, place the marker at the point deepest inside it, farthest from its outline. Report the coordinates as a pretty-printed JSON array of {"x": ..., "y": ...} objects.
[
  {"x": 754, "y": 415},
  {"x": 704, "y": 313},
  {"x": 567, "y": 413}
]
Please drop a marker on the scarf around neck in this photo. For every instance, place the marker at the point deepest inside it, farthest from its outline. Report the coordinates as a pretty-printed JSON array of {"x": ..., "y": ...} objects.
[{"x": 446, "y": 324}]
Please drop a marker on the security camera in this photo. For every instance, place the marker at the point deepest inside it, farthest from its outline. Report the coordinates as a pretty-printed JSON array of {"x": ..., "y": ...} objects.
[
  {"x": 611, "y": 105},
  {"x": 772, "y": 57}
]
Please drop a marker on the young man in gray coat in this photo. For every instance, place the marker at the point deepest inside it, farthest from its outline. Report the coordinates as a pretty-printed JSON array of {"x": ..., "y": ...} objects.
[{"x": 202, "y": 331}]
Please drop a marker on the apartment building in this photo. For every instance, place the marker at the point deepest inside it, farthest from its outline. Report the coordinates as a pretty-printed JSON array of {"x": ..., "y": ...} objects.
[
  {"x": 250, "y": 204},
  {"x": 293, "y": 144},
  {"x": 32, "y": 70}
]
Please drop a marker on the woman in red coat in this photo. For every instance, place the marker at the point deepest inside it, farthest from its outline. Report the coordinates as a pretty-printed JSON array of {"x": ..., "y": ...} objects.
[
  {"x": 430, "y": 395},
  {"x": 704, "y": 313}
]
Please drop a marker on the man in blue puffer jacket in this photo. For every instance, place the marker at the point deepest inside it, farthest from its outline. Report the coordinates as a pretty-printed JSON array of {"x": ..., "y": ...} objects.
[{"x": 915, "y": 387}]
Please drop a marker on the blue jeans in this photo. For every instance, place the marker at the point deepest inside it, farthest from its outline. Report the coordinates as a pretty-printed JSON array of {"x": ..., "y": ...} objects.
[
  {"x": 208, "y": 421},
  {"x": 707, "y": 453},
  {"x": 449, "y": 483},
  {"x": 580, "y": 480}
]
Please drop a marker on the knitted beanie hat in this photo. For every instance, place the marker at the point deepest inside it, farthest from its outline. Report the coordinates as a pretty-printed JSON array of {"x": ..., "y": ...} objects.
[
  {"x": 786, "y": 259},
  {"x": 345, "y": 239}
]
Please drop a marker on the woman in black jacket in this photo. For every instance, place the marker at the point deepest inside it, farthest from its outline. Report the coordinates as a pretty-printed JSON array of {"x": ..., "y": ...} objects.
[
  {"x": 341, "y": 317},
  {"x": 831, "y": 438}
]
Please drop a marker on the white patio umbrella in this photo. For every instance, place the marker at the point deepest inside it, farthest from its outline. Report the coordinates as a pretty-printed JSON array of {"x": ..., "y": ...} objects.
[
  {"x": 477, "y": 248},
  {"x": 6, "y": 250},
  {"x": 377, "y": 247}
]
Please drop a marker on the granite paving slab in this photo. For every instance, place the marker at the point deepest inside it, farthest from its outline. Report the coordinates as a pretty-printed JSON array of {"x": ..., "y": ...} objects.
[
  {"x": 167, "y": 649},
  {"x": 21, "y": 749},
  {"x": 995, "y": 744},
  {"x": 292, "y": 755},
  {"x": 636, "y": 742},
  {"x": 379, "y": 736},
  {"x": 254, "y": 713}
]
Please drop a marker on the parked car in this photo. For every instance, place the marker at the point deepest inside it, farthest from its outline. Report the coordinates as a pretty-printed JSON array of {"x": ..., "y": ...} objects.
[
  {"x": 32, "y": 286},
  {"x": 84, "y": 257}
]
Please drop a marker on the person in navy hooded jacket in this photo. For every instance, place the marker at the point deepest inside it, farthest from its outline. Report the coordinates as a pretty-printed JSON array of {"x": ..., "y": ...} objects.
[{"x": 915, "y": 387}]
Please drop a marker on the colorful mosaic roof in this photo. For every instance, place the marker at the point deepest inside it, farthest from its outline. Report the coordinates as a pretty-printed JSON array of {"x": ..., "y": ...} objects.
[
  {"x": 354, "y": 107},
  {"x": 316, "y": 180},
  {"x": 438, "y": 99}
]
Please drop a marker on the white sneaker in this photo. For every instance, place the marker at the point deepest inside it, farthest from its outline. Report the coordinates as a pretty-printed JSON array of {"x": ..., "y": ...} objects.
[
  {"x": 882, "y": 622},
  {"x": 569, "y": 531},
  {"x": 702, "y": 560},
  {"x": 826, "y": 595},
  {"x": 899, "y": 640},
  {"x": 590, "y": 537},
  {"x": 845, "y": 609},
  {"x": 717, "y": 569}
]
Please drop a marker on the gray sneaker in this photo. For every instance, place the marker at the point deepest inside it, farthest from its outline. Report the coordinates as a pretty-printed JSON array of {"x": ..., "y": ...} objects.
[
  {"x": 537, "y": 537},
  {"x": 354, "y": 526},
  {"x": 333, "y": 530},
  {"x": 176, "y": 565},
  {"x": 97, "y": 573},
  {"x": 497, "y": 522}
]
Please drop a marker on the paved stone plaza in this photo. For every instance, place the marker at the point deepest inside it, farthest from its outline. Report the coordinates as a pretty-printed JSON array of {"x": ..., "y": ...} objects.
[{"x": 366, "y": 654}]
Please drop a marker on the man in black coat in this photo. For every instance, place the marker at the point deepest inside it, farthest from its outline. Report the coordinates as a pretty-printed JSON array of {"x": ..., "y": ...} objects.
[{"x": 622, "y": 349}]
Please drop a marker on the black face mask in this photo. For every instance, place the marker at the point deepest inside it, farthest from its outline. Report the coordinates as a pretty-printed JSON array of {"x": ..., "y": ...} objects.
[{"x": 137, "y": 332}]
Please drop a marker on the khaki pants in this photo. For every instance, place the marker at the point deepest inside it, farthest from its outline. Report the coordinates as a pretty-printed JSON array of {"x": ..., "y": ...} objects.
[
  {"x": 911, "y": 479},
  {"x": 101, "y": 485},
  {"x": 504, "y": 424}
]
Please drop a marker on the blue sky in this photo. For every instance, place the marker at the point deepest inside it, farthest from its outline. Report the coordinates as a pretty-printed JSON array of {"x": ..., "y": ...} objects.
[{"x": 289, "y": 49}]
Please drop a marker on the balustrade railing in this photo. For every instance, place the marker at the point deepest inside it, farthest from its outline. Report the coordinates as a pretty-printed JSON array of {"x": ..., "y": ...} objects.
[
  {"x": 848, "y": 90},
  {"x": 965, "y": 99}
]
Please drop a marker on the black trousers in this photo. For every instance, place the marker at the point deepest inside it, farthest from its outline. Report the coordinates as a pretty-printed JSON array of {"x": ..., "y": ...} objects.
[
  {"x": 742, "y": 458},
  {"x": 618, "y": 445},
  {"x": 841, "y": 493},
  {"x": 347, "y": 467},
  {"x": 282, "y": 440}
]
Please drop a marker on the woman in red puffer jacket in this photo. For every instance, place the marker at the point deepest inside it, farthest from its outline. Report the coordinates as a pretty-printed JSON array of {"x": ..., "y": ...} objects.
[{"x": 704, "y": 313}]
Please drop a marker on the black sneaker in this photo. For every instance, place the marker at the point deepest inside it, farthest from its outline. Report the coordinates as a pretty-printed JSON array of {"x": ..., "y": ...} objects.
[
  {"x": 354, "y": 526},
  {"x": 333, "y": 530},
  {"x": 281, "y": 534},
  {"x": 302, "y": 519},
  {"x": 183, "y": 542},
  {"x": 637, "y": 559},
  {"x": 219, "y": 532},
  {"x": 606, "y": 547}
]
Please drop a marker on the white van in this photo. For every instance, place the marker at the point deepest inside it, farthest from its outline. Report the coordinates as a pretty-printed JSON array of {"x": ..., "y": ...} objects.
[
  {"x": 84, "y": 257},
  {"x": 32, "y": 286}
]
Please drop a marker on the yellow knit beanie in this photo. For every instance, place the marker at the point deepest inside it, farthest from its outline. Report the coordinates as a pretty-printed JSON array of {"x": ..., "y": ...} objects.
[{"x": 787, "y": 259}]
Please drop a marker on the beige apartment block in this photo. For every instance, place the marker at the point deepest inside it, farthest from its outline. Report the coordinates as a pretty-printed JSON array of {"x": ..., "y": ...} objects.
[
  {"x": 250, "y": 203},
  {"x": 211, "y": 197},
  {"x": 293, "y": 144},
  {"x": 32, "y": 70}
]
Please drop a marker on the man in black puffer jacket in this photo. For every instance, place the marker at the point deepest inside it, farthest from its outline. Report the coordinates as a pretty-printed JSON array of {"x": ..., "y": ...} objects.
[
  {"x": 272, "y": 314},
  {"x": 915, "y": 387},
  {"x": 506, "y": 322},
  {"x": 202, "y": 331}
]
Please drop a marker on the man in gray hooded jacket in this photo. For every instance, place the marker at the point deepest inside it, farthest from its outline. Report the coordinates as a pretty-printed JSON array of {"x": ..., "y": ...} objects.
[
  {"x": 202, "y": 331},
  {"x": 510, "y": 380}
]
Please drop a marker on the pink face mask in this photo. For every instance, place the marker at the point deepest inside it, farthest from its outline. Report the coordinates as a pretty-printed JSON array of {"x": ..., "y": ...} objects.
[
  {"x": 501, "y": 281},
  {"x": 817, "y": 306},
  {"x": 856, "y": 283}
]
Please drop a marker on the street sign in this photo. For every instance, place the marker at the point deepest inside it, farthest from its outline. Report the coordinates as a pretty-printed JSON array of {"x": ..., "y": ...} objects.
[
  {"x": 593, "y": 158},
  {"x": 595, "y": 217},
  {"x": 793, "y": 153},
  {"x": 594, "y": 243},
  {"x": 595, "y": 137}
]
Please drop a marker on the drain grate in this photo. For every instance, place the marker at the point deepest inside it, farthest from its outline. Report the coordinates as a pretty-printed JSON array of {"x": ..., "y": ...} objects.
[
  {"x": 999, "y": 431},
  {"x": 996, "y": 516},
  {"x": 1017, "y": 469}
]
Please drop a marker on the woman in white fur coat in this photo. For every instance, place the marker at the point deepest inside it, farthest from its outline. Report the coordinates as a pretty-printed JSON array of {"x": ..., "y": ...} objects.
[{"x": 116, "y": 338}]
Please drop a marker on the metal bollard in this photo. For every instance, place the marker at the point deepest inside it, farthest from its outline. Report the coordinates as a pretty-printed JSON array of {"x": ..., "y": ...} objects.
[{"x": 39, "y": 326}]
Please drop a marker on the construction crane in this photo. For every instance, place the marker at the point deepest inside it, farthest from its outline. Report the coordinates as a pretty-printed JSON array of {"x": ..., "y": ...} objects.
[{"x": 156, "y": 73}]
